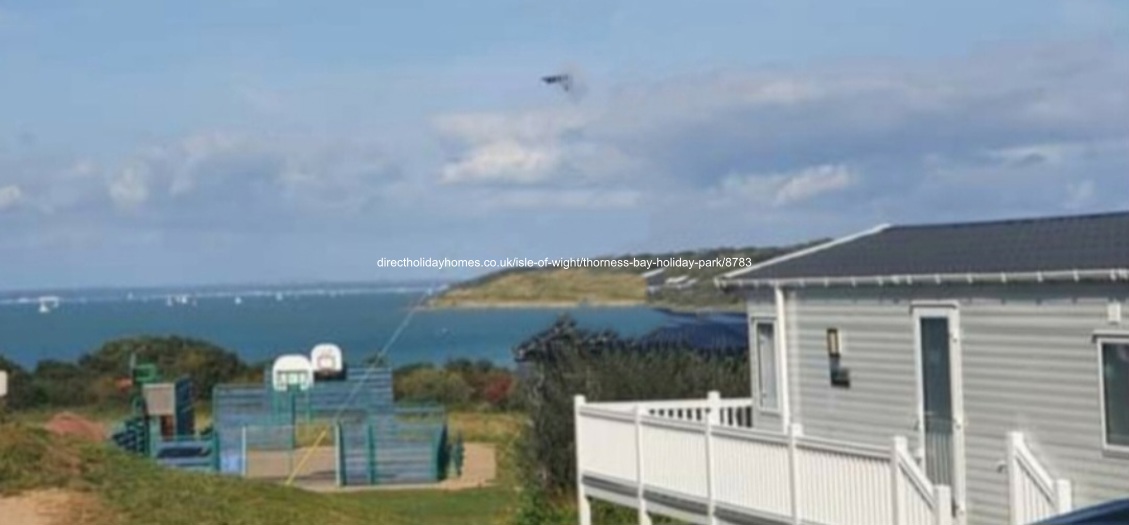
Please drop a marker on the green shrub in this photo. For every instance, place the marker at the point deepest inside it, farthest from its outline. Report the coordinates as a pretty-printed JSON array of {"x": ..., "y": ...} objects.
[
  {"x": 22, "y": 393},
  {"x": 92, "y": 381},
  {"x": 207, "y": 364},
  {"x": 565, "y": 361},
  {"x": 428, "y": 384},
  {"x": 459, "y": 383}
]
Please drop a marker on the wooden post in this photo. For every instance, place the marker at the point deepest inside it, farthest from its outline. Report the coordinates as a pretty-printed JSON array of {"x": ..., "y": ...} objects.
[
  {"x": 794, "y": 432},
  {"x": 640, "y": 472},
  {"x": 713, "y": 416},
  {"x": 584, "y": 509}
]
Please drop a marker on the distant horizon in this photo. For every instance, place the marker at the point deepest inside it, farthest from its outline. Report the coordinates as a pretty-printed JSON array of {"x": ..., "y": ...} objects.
[{"x": 228, "y": 285}]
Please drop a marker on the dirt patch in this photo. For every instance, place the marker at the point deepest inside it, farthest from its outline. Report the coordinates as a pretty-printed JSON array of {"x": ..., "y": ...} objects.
[
  {"x": 55, "y": 507},
  {"x": 72, "y": 425},
  {"x": 480, "y": 469}
]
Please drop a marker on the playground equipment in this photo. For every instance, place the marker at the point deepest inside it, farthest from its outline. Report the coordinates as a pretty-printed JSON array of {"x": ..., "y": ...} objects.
[
  {"x": 163, "y": 423},
  {"x": 272, "y": 430},
  {"x": 275, "y": 430}
]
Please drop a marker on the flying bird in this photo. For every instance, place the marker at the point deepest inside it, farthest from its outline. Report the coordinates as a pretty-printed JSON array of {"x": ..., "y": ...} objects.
[{"x": 565, "y": 81}]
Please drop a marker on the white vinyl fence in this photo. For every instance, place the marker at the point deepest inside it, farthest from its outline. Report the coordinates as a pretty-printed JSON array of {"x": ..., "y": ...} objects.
[
  {"x": 740, "y": 470},
  {"x": 1033, "y": 494}
]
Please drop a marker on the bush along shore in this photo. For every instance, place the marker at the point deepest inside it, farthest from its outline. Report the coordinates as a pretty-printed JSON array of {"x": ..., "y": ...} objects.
[{"x": 91, "y": 383}]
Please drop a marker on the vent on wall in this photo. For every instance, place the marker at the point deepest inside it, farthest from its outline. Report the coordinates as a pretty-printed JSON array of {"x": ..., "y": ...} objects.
[{"x": 1113, "y": 312}]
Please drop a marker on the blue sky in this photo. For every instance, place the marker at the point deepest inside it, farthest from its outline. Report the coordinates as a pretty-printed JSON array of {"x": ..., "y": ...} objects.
[{"x": 147, "y": 142}]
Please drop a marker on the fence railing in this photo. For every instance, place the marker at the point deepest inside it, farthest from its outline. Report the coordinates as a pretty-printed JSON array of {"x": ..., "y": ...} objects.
[
  {"x": 1034, "y": 494},
  {"x": 787, "y": 477},
  {"x": 730, "y": 412}
]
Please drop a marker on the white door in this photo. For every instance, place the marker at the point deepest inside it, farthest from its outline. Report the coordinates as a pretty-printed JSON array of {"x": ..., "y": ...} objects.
[{"x": 940, "y": 421}]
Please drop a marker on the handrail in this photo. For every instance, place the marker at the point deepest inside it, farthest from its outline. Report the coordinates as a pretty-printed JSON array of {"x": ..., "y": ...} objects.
[
  {"x": 731, "y": 412},
  {"x": 921, "y": 483},
  {"x": 1022, "y": 465},
  {"x": 595, "y": 411},
  {"x": 1039, "y": 475},
  {"x": 842, "y": 447},
  {"x": 673, "y": 403}
]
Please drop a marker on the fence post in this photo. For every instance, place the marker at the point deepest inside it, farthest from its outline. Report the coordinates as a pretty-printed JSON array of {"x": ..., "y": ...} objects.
[
  {"x": 640, "y": 472},
  {"x": 713, "y": 416},
  {"x": 370, "y": 455},
  {"x": 243, "y": 449},
  {"x": 339, "y": 445},
  {"x": 1064, "y": 496},
  {"x": 943, "y": 514},
  {"x": 897, "y": 487},
  {"x": 1014, "y": 439},
  {"x": 795, "y": 430},
  {"x": 584, "y": 509}
]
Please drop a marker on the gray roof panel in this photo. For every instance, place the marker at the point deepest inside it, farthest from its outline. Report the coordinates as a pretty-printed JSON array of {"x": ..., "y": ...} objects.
[{"x": 1086, "y": 242}]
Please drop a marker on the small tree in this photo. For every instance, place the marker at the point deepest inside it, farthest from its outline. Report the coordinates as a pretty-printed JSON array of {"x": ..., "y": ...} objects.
[{"x": 565, "y": 360}]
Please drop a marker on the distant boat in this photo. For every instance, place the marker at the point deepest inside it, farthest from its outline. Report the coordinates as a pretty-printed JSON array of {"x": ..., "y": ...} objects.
[
  {"x": 238, "y": 300},
  {"x": 48, "y": 303},
  {"x": 277, "y": 297},
  {"x": 168, "y": 301}
]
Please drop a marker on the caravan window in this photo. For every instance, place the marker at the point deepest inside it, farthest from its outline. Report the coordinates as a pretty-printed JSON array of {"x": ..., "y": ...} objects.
[
  {"x": 764, "y": 340},
  {"x": 1115, "y": 392}
]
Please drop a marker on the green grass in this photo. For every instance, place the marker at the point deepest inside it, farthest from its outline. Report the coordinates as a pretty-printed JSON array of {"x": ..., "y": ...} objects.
[
  {"x": 498, "y": 428},
  {"x": 130, "y": 490},
  {"x": 549, "y": 287},
  {"x": 106, "y": 415},
  {"x": 486, "y": 506}
]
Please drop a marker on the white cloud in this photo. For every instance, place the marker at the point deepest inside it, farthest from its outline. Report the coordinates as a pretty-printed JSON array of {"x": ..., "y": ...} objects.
[
  {"x": 10, "y": 196},
  {"x": 503, "y": 161},
  {"x": 522, "y": 148},
  {"x": 129, "y": 189},
  {"x": 554, "y": 199},
  {"x": 784, "y": 189},
  {"x": 812, "y": 182},
  {"x": 244, "y": 177},
  {"x": 527, "y": 126}
]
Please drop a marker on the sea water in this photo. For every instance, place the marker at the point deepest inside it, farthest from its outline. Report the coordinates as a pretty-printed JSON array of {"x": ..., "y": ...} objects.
[{"x": 260, "y": 324}]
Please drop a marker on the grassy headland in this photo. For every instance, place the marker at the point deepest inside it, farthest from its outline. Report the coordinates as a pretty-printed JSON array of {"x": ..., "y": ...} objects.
[
  {"x": 548, "y": 288},
  {"x": 555, "y": 287}
]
